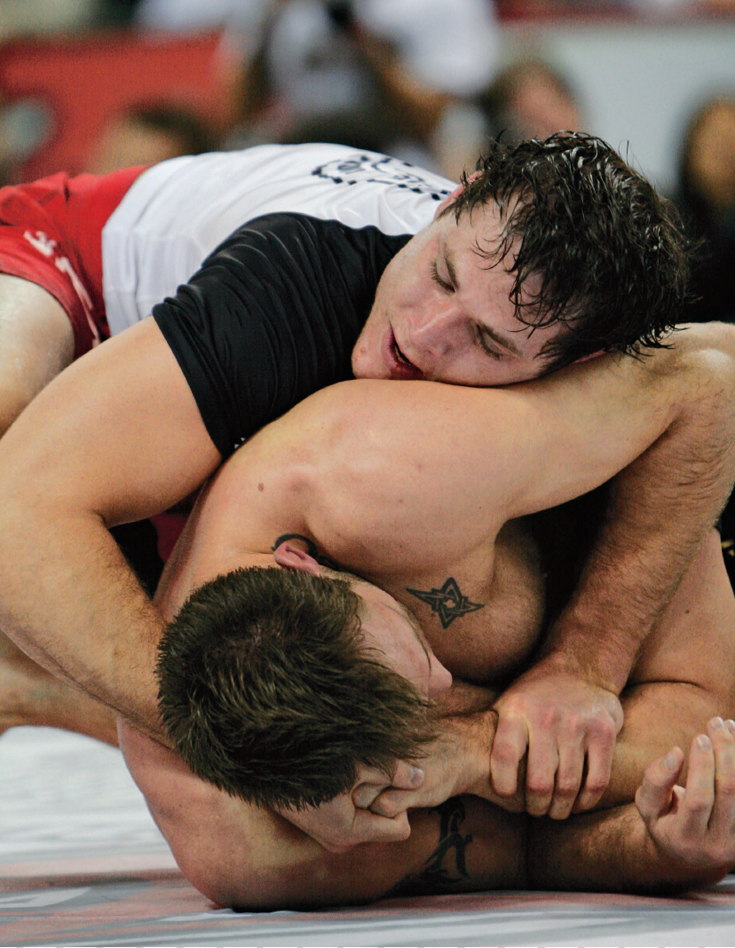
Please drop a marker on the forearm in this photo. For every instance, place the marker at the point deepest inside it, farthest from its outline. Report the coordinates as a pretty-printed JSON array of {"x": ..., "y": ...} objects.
[
  {"x": 609, "y": 851},
  {"x": 251, "y": 858},
  {"x": 85, "y": 588},
  {"x": 660, "y": 510},
  {"x": 257, "y": 861}
]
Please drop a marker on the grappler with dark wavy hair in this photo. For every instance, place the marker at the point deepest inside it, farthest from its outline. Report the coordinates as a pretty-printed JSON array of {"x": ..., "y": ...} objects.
[{"x": 315, "y": 262}]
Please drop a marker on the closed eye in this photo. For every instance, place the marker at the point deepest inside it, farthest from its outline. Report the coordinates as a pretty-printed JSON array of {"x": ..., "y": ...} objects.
[
  {"x": 437, "y": 279},
  {"x": 483, "y": 344}
]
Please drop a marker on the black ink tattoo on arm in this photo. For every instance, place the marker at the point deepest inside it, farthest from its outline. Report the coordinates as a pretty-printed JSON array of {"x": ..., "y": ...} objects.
[
  {"x": 448, "y": 602},
  {"x": 445, "y": 871}
]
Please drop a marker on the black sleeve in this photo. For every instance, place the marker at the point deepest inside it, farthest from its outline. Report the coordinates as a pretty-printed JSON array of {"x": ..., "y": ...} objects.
[{"x": 272, "y": 316}]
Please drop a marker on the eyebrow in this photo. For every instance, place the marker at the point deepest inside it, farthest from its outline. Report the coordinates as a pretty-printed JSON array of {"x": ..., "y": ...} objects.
[{"x": 496, "y": 337}]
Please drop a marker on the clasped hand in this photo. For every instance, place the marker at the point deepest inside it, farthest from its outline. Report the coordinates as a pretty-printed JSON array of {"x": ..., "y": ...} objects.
[
  {"x": 564, "y": 728},
  {"x": 347, "y": 820}
]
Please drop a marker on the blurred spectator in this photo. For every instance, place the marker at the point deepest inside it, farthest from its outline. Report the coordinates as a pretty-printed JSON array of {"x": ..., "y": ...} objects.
[
  {"x": 403, "y": 69},
  {"x": 707, "y": 199},
  {"x": 530, "y": 99},
  {"x": 20, "y": 18},
  {"x": 146, "y": 134},
  {"x": 25, "y": 125}
]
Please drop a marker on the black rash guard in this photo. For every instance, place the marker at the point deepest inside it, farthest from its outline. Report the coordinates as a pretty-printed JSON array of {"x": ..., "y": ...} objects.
[
  {"x": 267, "y": 261},
  {"x": 272, "y": 316}
]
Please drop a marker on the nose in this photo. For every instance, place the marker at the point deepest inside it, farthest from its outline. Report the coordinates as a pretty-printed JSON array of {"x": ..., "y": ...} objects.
[
  {"x": 434, "y": 329},
  {"x": 440, "y": 678}
]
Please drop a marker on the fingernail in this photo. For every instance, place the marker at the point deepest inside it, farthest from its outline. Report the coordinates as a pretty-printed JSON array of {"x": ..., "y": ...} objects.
[
  {"x": 730, "y": 725},
  {"x": 704, "y": 743},
  {"x": 417, "y": 775},
  {"x": 671, "y": 760},
  {"x": 717, "y": 723}
]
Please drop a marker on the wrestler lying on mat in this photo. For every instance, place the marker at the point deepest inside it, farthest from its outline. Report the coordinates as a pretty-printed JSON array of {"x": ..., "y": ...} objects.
[{"x": 291, "y": 685}]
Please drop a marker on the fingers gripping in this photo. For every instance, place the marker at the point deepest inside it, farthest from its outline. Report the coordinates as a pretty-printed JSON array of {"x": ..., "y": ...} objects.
[
  {"x": 509, "y": 747},
  {"x": 700, "y": 789},
  {"x": 655, "y": 794},
  {"x": 599, "y": 769}
]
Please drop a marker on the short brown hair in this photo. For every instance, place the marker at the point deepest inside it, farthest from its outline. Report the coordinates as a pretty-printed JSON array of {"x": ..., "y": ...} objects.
[{"x": 268, "y": 691}]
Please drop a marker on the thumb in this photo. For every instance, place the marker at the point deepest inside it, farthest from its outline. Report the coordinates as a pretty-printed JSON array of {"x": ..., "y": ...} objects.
[
  {"x": 407, "y": 776},
  {"x": 655, "y": 793}
]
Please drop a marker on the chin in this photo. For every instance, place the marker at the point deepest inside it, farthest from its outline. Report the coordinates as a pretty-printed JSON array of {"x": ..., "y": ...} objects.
[{"x": 365, "y": 367}]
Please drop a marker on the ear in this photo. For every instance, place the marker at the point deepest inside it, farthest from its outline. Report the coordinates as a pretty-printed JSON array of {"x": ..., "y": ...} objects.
[
  {"x": 291, "y": 557},
  {"x": 455, "y": 194}
]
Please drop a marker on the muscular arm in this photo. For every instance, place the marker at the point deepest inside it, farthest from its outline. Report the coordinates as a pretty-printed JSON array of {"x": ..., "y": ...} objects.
[
  {"x": 449, "y": 466},
  {"x": 251, "y": 858},
  {"x": 661, "y": 508},
  {"x": 81, "y": 458}
]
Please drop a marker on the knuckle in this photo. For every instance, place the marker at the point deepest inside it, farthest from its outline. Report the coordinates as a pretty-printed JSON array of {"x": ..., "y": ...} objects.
[
  {"x": 539, "y": 787},
  {"x": 596, "y": 784},
  {"x": 726, "y": 788},
  {"x": 548, "y": 718},
  {"x": 698, "y": 804},
  {"x": 566, "y": 790}
]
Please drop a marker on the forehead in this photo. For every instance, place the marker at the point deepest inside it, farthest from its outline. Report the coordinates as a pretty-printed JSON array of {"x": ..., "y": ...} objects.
[{"x": 477, "y": 247}]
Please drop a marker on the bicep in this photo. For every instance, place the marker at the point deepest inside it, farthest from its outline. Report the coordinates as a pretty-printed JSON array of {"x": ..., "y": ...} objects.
[
  {"x": 464, "y": 460},
  {"x": 118, "y": 433}
]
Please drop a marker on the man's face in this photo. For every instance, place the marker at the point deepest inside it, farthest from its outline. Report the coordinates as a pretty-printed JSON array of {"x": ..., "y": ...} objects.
[
  {"x": 442, "y": 313},
  {"x": 390, "y": 629}
]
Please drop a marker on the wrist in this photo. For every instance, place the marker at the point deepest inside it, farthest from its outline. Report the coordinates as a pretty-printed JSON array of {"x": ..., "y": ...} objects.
[
  {"x": 573, "y": 653},
  {"x": 477, "y": 733}
]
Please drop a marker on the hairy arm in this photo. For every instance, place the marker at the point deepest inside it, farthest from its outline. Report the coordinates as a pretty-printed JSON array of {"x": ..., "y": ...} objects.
[
  {"x": 673, "y": 839},
  {"x": 116, "y": 437},
  {"x": 661, "y": 508}
]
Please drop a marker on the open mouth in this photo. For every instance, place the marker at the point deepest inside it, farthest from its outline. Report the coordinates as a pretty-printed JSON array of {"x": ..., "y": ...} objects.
[
  {"x": 398, "y": 363},
  {"x": 400, "y": 356}
]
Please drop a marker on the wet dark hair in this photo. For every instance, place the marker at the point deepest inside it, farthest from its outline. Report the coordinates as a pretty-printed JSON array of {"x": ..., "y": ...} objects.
[
  {"x": 611, "y": 253},
  {"x": 267, "y": 690}
]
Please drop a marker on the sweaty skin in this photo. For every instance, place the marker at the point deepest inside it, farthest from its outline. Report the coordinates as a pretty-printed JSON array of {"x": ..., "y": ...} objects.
[
  {"x": 444, "y": 501},
  {"x": 118, "y": 437}
]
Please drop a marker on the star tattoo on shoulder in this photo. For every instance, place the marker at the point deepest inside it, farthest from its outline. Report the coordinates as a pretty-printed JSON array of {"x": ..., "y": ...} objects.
[{"x": 448, "y": 602}]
